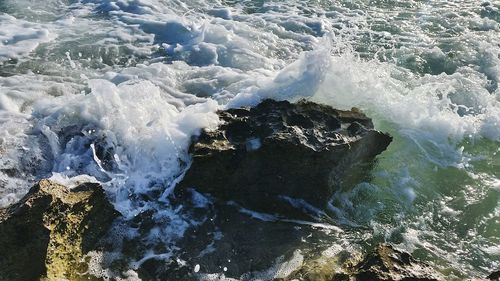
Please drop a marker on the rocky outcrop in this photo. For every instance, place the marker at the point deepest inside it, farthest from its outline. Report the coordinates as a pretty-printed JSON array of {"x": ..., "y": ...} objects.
[
  {"x": 262, "y": 170},
  {"x": 48, "y": 232},
  {"x": 284, "y": 158},
  {"x": 388, "y": 264},
  {"x": 383, "y": 264}
]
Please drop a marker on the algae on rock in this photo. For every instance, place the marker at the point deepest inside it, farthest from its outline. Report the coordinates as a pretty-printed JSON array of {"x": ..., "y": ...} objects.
[
  {"x": 46, "y": 235},
  {"x": 384, "y": 263},
  {"x": 389, "y": 264}
]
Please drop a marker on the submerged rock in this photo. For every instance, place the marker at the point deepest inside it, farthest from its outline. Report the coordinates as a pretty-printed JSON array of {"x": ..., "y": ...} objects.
[
  {"x": 383, "y": 264},
  {"x": 283, "y": 158},
  {"x": 388, "y": 264},
  {"x": 319, "y": 269},
  {"x": 494, "y": 275},
  {"x": 251, "y": 248},
  {"x": 48, "y": 232}
]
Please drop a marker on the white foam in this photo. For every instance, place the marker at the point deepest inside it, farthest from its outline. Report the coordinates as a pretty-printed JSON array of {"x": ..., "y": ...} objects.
[
  {"x": 429, "y": 104},
  {"x": 141, "y": 125},
  {"x": 73, "y": 181},
  {"x": 259, "y": 215},
  {"x": 299, "y": 79},
  {"x": 493, "y": 250},
  {"x": 18, "y": 38}
]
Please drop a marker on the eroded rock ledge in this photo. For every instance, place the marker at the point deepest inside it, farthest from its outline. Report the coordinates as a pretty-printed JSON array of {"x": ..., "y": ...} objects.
[
  {"x": 46, "y": 234},
  {"x": 279, "y": 157}
]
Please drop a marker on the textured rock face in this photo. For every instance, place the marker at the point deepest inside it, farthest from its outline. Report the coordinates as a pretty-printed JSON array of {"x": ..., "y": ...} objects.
[
  {"x": 47, "y": 233},
  {"x": 320, "y": 269},
  {"x": 263, "y": 168},
  {"x": 388, "y": 264},
  {"x": 279, "y": 157},
  {"x": 383, "y": 264}
]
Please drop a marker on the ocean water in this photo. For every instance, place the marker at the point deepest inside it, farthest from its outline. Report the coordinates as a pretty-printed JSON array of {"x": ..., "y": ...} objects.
[{"x": 113, "y": 91}]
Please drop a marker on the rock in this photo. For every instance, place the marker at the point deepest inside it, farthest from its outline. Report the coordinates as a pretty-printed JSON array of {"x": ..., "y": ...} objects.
[
  {"x": 260, "y": 171},
  {"x": 319, "y": 269},
  {"x": 388, "y": 264},
  {"x": 383, "y": 264},
  {"x": 244, "y": 244},
  {"x": 48, "y": 232},
  {"x": 282, "y": 158},
  {"x": 494, "y": 275},
  {"x": 155, "y": 269}
]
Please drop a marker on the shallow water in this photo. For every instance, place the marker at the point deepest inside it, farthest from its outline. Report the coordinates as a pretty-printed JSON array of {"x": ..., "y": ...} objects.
[{"x": 138, "y": 78}]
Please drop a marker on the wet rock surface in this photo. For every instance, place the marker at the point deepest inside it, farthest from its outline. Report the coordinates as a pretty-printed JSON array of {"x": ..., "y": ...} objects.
[
  {"x": 283, "y": 158},
  {"x": 494, "y": 275},
  {"x": 46, "y": 234},
  {"x": 256, "y": 195},
  {"x": 249, "y": 247},
  {"x": 383, "y": 264},
  {"x": 261, "y": 182},
  {"x": 387, "y": 263}
]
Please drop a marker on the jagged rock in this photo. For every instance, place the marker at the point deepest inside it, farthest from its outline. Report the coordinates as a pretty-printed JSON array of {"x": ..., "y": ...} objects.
[
  {"x": 388, "y": 264},
  {"x": 47, "y": 233},
  {"x": 280, "y": 157},
  {"x": 262, "y": 167}
]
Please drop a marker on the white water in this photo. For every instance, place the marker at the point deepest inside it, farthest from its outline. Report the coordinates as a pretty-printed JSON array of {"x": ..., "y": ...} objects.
[{"x": 140, "y": 77}]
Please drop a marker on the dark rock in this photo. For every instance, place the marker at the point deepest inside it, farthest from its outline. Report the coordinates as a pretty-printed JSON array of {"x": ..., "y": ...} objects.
[
  {"x": 157, "y": 269},
  {"x": 388, "y": 264},
  {"x": 494, "y": 275},
  {"x": 244, "y": 244},
  {"x": 283, "y": 158},
  {"x": 262, "y": 167},
  {"x": 47, "y": 233}
]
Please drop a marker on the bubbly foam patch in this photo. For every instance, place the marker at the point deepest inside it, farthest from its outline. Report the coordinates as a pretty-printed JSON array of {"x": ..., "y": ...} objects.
[
  {"x": 136, "y": 123},
  {"x": 18, "y": 38},
  {"x": 446, "y": 107}
]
